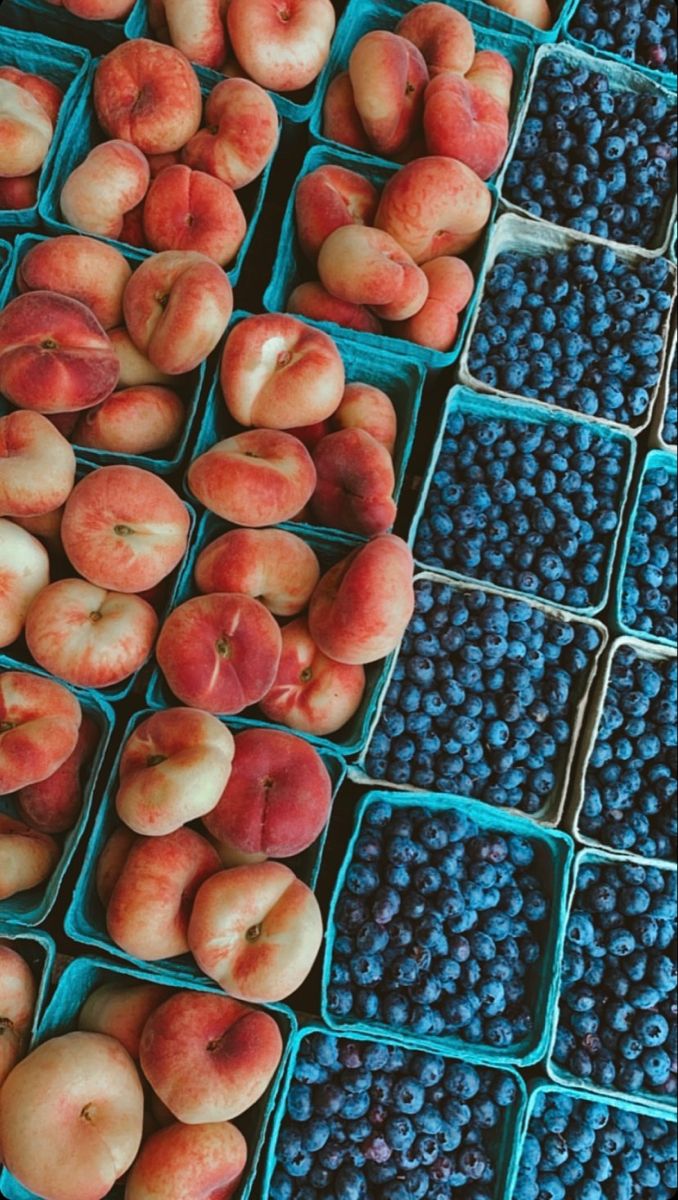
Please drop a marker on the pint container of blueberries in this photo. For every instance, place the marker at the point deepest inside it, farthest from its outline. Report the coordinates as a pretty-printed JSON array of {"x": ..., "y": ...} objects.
[
  {"x": 645, "y": 607},
  {"x": 498, "y": 1138},
  {"x": 83, "y": 976},
  {"x": 545, "y": 808},
  {"x": 546, "y": 253},
  {"x": 609, "y": 47},
  {"x": 551, "y": 854},
  {"x": 611, "y": 1029},
  {"x": 446, "y": 550},
  {"x": 664, "y": 433},
  {"x": 644, "y": 824},
  {"x": 621, "y": 80}
]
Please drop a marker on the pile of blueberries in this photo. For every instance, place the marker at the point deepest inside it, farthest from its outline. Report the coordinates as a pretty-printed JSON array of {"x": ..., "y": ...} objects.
[
  {"x": 640, "y": 31},
  {"x": 527, "y": 506},
  {"x": 371, "y": 1121},
  {"x": 579, "y": 328},
  {"x": 581, "y": 1148},
  {"x": 632, "y": 776},
  {"x": 618, "y": 1009},
  {"x": 595, "y": 159},
  {"x": 670, "y": 429},
  {"x": 650, "y": 584},
  {"x": 483, "y": 698},
  {"x": 441, "y": 928}
]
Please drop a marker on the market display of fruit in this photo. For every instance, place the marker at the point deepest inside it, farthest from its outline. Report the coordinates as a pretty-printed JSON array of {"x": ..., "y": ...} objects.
[{"x": 338, "y": 600}]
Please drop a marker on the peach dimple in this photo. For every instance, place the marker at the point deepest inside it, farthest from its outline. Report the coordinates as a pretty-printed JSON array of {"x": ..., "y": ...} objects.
[
  {"x": 149, "y": 95},
  {"x": 451, "y": 284},
  {"x": 240, "y": 134},
  {"x": 282, "y": 46},
  {"x": 271, "y": 565},
  {"x": 191, "y": 210},
  {"x": 467, "y": 123},
  {"x": 434, "y": 206}
]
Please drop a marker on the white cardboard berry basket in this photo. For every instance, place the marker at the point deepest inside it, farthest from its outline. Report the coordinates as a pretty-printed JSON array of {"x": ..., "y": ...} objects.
[
  {"x": 532, "y": 239},
  {"x": 622, "y": 79},
  {"x": 551, "y": 812},
  {"x": 649, "y": 653},
  {"x": 661, "y": 407}
]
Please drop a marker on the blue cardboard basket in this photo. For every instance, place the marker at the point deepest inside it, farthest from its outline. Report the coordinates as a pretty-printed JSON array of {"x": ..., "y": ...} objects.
[
  {"x": 362, "y": 18},
  {"x": 66, "y": 66},
  {"x": 622, "y": 78},
  {"x": 32, "y": 907},
  {"x": 189, "y": 387},
  {"x": 462, "y": 400},
  {"x": 655, "y": 459},
  {"x": 668, "y": 78},
  {"x": 553, "y": 865},
  {"x": 81, "y": 977},
  {"x": 507, "y": 1142},
  {"x": 86, "y": 133},
  {"x": 86, "y": 921},
  {"x": 540, "y": 1089},
  {"x": 330, "y": 549},
  {"x": 6, "y": 253},
  {"x": 38, "y": 16},
  {"x": 39, "y": 951},
  {"x": 291, "y": 268},
  {"x": 554, "y": 1071},
  {"x": 402, "y": 381}
]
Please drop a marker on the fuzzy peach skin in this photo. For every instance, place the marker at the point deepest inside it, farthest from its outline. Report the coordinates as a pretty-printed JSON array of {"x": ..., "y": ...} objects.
[
  {"x": 99, "y": 10},
  {"x": 367, "y": 266},
  {"x": 120, "y": 1010},
  {"x": 54, "y": 804},
  {"x": 240, "y": 134},
  {"x": 451, "y": 284},
  {"x": 328, "y": 198},
  {"x": 444, "y": 36},
  {"x": 112, "y": 860},
  {"x": 174, "y": 769},
  {"x": 494, "y": 74},
  {"x": 39, "y": 723},
  {"x": 362, "y": 606},
  {"x": 356, "y": 481},
  {"x": 177, "y": 306},
  {"x": 219, "y": 652},
  {"x": 196, "y": 29},
  {"x": 277, "y": 800},
  {"x": 341, "y": 119},
  {"x": 370, "y": 409},
  {"x": 107, "y": 184},
  {"x": 124, "y": 529},
  {"x": 314, "y": 301},
  {"x": 137, "y": 420},
  {"x": 256, "y": 930},
  {"x": 389, "y": 76},
  {"x": 135, "y": 369},
  {"x": 312, "y": 693},
  {"x": 150, "y": 904},
  {"x": 190, "y": 210},
  {"x": 54, "y": 355},
  {"x": 25, "y": 131},
  {"x": 260, "y": 477},
  {"x": 535, "y": 12},
  {"x": 271, "y": 565},
  {"x": 19, "y": 191},
  {"x": 148, "y": 94},
  {"x": 434, "y": 206},
  {"x": 81, "y": 267},
  {"x": 282, "y": 44},
  {"x": 209, "y": 1058},
  {"x": 203, "y": 1162},
  {"x": 85, "y": 1093},
  {"x": 27, "y": 857},
  {"x": 277, "y": 372},
  {"x": 43, "y": 90},
  {"x": 18, "y": 994},
  {"x": 88, "y": 636},
  {"x": 465, "y": 122},
  {"x": 24, "y": 572}
]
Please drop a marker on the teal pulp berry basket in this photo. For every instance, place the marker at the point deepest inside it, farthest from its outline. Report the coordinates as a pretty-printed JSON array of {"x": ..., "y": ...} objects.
[
  {"x": 402, "y": 381},
  {"x": 505, "y": 1146},
  {"x": 330, "y": 549},
  {"x": 86, "y": 918},
  {"x": 32, "y": 907},
  {"x": 291, "y": 268},
  {"x": 38, "y": 16},
  {"x": 65, "y": 66},
  {"x": 83, "y": 976},
  {"x": 668, "y": 78},
  {"x": 86, "y": 133},
  {"x": 362, "y": 18},
  {"x": 540, "y": 1091},
  {"x": 554, "y": 855},
  {"x": 656, "y": 459},
  {"x": 554, "y": 1070},
  {"x": 6, "y": 266},
  {"x": 189, "y": 387},
  {"x": 472, "y": 404}
]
